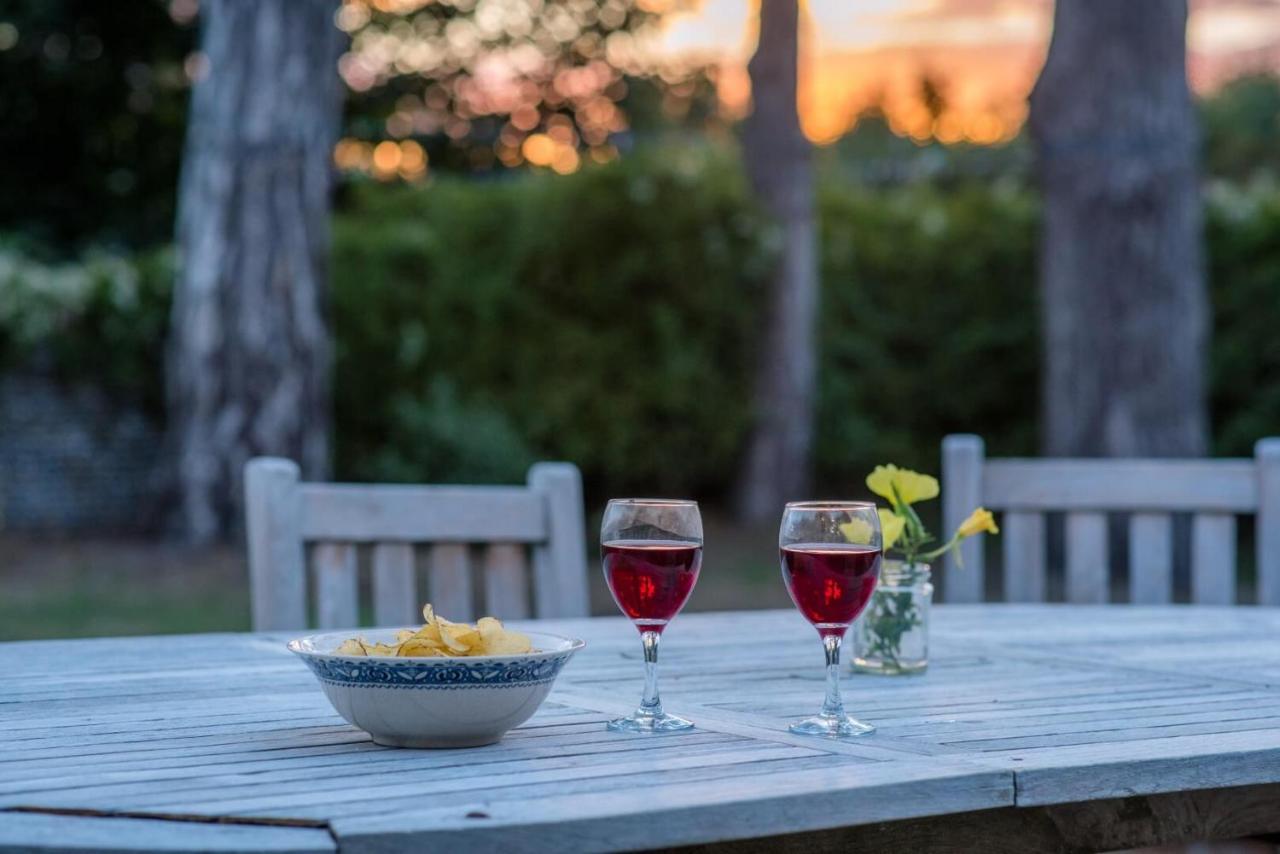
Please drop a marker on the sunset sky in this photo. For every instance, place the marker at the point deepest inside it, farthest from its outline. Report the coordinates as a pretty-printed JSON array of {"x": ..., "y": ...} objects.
[{"x": 986, "y": 53}]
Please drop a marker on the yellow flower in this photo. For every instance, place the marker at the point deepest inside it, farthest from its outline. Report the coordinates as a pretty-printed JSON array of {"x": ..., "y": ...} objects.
[
  {"x": 858, "y": 530},
  {"x": 979, "y": 521},
  {"x": 891, "y": 526},
  {"x": 903, "y": 485}
]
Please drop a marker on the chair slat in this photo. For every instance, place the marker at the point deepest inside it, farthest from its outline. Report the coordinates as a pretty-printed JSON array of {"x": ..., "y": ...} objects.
[
  {"x": 1213, "y": 559},
  {"x": 1267, "y": 455},
  {"x": 1087, "y": 558},
  {"x": 506, "y": 582},
  {"x": 560, "y": 562},
  {"x": 1150, "y": 559},
  {"x": 277, "y": 561},
  {"x": 450, "y": 587},
  {"x": 401, "y": 513},
  {"x": 962, "y": 472},
  {"x": 395, "y": 589},
  {"x": 336, "y": 586},
  {"x": 1226, "y": 486},
  {"x": 1024, "y": 557}
]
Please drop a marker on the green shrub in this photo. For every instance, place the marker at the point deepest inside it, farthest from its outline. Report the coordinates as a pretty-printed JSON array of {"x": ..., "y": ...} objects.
[
  {"x": 608, "y": 315},
  {"x": 434, "y": 438},
  {"x": 611, "y": 318},
  {"x": 1243, "y": 227},
  {"x": 100, "y": 320},
  {"x": 928, "y": 325}
]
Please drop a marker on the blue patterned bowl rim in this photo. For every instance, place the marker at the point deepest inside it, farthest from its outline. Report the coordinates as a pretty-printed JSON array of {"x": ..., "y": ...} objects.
[{"x": 317, "y": 646}]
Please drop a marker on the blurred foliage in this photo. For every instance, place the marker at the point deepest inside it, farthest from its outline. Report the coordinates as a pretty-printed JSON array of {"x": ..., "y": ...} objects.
[
  {"x": 1241, "y": 127},
  {"x": 1243, "y": 228},
  {"x": 504, "y": 82},
  {"x": 608, "y": 314},
  {"x": 101, "y": 319},
  {"x": 93, "y": 100},
  {"x": 434, "y": 437},
  {"x": 610, "y": 318},
  {"x": 929, "y": 325}
]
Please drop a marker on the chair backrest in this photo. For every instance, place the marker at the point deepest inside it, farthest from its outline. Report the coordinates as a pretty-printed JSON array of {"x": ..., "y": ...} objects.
[
  {"x": 284, "y": 515},
  {"x": 1085, "y": 490}
]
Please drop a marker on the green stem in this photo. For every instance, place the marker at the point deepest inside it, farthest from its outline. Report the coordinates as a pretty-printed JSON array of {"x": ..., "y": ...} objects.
[{"x": 941, "y": 550}]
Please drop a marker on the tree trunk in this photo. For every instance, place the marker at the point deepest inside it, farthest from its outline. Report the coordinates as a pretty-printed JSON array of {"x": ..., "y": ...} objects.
[
  {"x": 249, "y": 353},
  {"x": 1125, "y": 311},
  {"x": 777, "y": 466}
]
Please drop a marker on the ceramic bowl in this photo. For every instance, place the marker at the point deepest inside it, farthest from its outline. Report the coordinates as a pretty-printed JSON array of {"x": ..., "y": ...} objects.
[{"x": 435, "y": 702}]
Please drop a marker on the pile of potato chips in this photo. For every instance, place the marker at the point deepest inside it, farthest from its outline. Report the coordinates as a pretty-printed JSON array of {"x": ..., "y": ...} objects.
[{"x": 441, "y": 638}]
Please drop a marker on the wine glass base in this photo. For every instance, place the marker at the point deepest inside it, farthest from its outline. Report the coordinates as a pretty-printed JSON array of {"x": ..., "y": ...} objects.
[
  {"x": 649, "y": 723},
  {"x": 831, "y": 726}
]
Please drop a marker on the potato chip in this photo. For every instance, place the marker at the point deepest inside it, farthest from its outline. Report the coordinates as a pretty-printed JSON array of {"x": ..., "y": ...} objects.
[
  {"x": 429, "y": 632},
  {"x": 496, "y": 640},
  {"x": 350, "y": 646},
  {"x": 439, "y": 637},
  {"x": 458, "y": 637},
  {"x": 420, "y": 649}
]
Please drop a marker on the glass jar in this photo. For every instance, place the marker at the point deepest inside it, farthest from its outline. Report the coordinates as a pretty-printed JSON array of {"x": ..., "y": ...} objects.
[{"x": 892, "y": 636}]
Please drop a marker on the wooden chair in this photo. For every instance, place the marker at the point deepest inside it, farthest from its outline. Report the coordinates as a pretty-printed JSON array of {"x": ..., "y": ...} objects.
[
  {"x": 1151, "y": 490},
  {"x": 285, "y": 515}
]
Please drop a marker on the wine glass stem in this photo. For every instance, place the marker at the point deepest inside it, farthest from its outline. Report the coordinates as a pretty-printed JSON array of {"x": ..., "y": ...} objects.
[
  {"x": 650, "y": 704},
  {"x": 833, "y": 705}
]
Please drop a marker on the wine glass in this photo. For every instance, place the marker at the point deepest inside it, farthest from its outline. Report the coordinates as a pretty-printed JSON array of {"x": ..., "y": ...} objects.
[
  {"x": 830, "y": 553},
  {"x": 651, "y": 551}
]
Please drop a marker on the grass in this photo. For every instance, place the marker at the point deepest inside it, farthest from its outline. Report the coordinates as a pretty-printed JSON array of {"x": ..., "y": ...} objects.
[
  {"x": 59, "y": 587},
  {"x": 52, "y": 588}
]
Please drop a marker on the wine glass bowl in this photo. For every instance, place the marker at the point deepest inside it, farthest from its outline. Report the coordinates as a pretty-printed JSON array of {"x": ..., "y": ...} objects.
[
  {"x": 830, "y": 553},
  {"x": 651, "y": 554}
]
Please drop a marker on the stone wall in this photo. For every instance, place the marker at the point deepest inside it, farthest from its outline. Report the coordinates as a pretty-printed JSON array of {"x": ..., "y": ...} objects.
[{"x": 73, "y": 459}]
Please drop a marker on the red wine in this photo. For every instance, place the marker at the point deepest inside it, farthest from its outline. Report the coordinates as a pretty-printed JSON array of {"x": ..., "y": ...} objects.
[
  {"x": 651, "y": 579},
  {"x": 829, "y": 582}
]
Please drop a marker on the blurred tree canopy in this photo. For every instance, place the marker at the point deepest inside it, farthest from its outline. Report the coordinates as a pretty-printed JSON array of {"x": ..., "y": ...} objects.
[
  {"x": 511, "y": 81},
  {"x": 93, "y": 97}
]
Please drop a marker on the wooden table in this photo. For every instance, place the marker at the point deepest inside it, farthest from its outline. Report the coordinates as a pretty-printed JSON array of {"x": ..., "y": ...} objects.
[{"x": 1043, "y": 727}]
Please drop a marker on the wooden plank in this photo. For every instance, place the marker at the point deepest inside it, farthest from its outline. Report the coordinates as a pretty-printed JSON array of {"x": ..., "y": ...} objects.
[
  {"x": 1266, "y": 454},
  {"x": 1025, "y": 577},
  {"x": 449, "y": 588},
  {"x": 362, "y": 794},
  {"x": 506, "y": 582},
  {"x": 1175, "y": 819},
  {"x": 394, "y": 512},
  {"x": 962, "y": 480},
  {"x": 810, "y": 799},
  {"x": 1213, "y": 559},
  {"x": 337, "y": 587},
  {"x": 395, "y": 585},
  {"x": 277, "y": 565},
  {"x": 1151, "y": 558},
  {"x": 1226, "y": 486},
  {"x": 32, "y": 831},
  {"x": 1087, "y": 563},
  {"x": 560, "y": 562},
  {"x": 1101, "y": 770}
]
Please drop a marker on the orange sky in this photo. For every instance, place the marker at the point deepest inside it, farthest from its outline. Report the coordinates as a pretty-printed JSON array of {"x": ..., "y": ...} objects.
[{"x": 985, "y": 53}]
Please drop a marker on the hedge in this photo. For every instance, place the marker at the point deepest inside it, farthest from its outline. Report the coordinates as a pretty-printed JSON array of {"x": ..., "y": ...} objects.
[{"x": 612, "y": 318}]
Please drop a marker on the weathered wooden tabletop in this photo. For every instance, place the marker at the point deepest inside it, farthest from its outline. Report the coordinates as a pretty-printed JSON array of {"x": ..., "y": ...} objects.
[{"x": 1036, "y": 727}]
